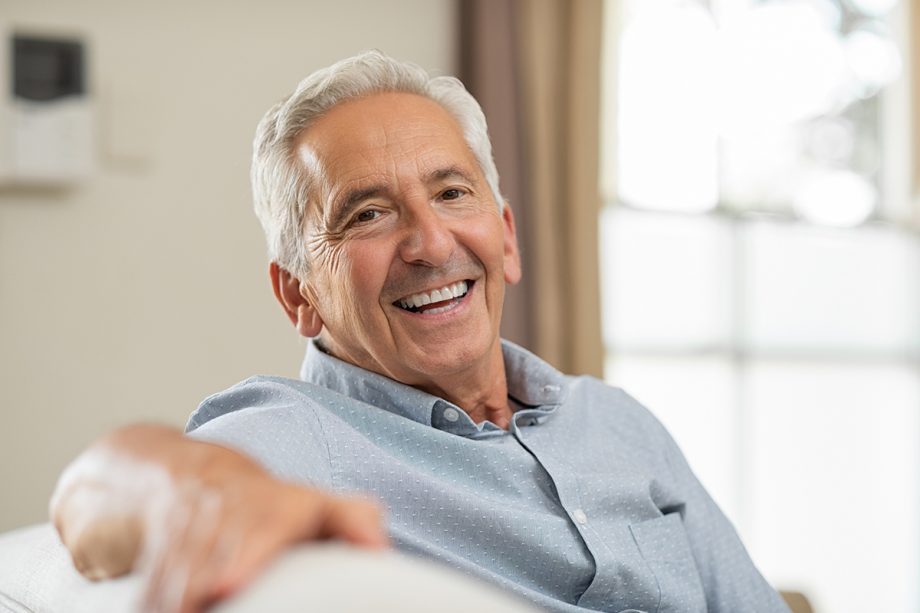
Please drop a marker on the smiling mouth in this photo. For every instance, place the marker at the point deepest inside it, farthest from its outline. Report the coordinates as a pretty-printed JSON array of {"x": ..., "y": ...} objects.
[{"x": 436, "y": 301}]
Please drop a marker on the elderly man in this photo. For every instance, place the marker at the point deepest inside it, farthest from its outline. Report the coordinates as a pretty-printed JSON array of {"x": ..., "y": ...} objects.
[{"x": 390, "y": 246}]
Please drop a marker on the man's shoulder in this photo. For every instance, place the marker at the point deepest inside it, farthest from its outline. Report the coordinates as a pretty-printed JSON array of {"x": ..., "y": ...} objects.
[
  {"x": 274, "y": 420},
  {"x": 528, "y": 374},
  {"x": 261, "y": 392},
  {"x": 600, "y": 392},
  {"x": 609, "y": 403}
]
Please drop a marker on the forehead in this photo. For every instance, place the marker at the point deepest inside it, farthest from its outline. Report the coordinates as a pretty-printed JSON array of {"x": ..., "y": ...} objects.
[{"x": 386, "y": 133}]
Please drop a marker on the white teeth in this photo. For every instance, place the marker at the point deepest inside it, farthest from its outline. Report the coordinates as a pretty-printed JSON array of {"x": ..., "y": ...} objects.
[
  {"x": 439, "y": 310},
  {"x": 439, "y": 295}
]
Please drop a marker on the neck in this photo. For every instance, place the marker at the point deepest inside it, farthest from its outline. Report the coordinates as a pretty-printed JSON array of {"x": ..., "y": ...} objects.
[{"x": 481, "y": 392}]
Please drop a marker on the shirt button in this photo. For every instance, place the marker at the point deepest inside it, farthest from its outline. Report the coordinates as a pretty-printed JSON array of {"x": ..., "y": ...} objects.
[
  {"x": 580, "y": 516},
  {"x": 451, "y": 414}
]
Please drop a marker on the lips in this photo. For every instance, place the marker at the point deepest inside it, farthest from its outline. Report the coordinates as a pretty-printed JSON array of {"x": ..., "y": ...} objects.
[{"x": 436, "y": 300}]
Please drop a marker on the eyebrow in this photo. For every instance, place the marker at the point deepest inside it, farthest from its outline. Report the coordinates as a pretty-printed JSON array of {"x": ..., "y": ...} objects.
[
  {"x": 450, "y": 172},
  {"x": 352, "y": 198}
]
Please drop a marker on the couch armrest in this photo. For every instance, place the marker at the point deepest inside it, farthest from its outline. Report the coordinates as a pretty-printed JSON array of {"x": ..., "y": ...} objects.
[{"x": 36, "y": 576}]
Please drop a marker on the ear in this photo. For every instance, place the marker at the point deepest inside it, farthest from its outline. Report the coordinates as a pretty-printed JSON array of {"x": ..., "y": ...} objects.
[
  {"x": 299, "y": 310},
  {"x": 512, "y": 255}
]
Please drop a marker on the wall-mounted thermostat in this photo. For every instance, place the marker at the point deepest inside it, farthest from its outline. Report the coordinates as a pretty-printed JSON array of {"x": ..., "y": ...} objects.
[{"x": 46, "y": 122}]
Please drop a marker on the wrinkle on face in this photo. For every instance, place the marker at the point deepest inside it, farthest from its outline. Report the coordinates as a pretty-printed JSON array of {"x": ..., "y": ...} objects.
[{"x": 415, "y": 278}]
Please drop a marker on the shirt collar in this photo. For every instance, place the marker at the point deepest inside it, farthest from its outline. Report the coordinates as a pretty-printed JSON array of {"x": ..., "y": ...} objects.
[
  {"x": 325, "y": 370},
  {"x": 531, "y": 382}
]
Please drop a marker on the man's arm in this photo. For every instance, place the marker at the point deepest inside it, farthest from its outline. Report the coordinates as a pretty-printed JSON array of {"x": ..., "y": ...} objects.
[
  {"x": 199, "y": 520},
  {"x": 731, "y": 581}
]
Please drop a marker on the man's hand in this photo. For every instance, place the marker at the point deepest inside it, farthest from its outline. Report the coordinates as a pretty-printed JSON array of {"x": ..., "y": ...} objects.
[{"x": 197, "y": 519}]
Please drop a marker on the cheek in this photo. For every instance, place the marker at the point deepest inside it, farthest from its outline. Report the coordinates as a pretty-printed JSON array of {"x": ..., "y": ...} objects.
[
  {"x": 329, "y": 267},
  {"x": 486, "y": 241},
  {"x": 358, "y": 279}
]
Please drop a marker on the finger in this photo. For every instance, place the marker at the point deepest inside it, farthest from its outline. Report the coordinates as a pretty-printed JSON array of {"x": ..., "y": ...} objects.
[
  {"x": 217, "y": 561},
  {"x": 182, "y": 560},
  {"x": 249, "y": 552},
  {"x": 105, "y": 547},
  {"x": 163, "y": 560},
  {"x": 243, "y": 537},
  {"x": 356, "y": 521},
  {"x": 292, "y": 514},
  {"x": 210, "y": 554},
  {"x": 300, "y": 515}
]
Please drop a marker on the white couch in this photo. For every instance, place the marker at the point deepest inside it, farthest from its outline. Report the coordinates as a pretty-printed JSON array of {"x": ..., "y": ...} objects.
[{"x": 36, "y": 575}]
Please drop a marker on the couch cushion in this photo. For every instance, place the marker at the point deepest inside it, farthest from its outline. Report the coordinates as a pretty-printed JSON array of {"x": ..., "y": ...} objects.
[{"x": 36, "y": 576}]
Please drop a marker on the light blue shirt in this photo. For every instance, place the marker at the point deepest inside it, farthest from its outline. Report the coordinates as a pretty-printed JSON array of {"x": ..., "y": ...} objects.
[{"x": 585, "y": 503}]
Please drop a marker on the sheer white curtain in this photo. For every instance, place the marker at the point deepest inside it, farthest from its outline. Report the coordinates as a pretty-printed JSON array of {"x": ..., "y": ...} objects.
[{"x": 761, "y": 270}]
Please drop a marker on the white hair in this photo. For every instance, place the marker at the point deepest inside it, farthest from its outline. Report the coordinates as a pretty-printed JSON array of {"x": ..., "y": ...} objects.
[{"x": 281, "y": 184}]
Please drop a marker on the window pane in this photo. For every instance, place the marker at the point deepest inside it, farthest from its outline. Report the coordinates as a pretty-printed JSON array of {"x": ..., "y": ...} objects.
[
  {"x": 799, "y": 112},
  {"x": 777, "y": 108},
  {"x": 664, "y": 280},
  {"x": 812, "y": 289},
  {"x": 693, "y": 398},
  {"x": 667, "y": 141},
  {"x": 833, "y": 482}
]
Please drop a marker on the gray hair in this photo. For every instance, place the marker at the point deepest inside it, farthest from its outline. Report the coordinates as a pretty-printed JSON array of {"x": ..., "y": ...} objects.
[{"x": 281, "y": 185}]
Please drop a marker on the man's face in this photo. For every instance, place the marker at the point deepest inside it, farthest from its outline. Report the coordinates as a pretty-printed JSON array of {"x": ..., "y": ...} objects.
[{"x": 404, "y": 216}]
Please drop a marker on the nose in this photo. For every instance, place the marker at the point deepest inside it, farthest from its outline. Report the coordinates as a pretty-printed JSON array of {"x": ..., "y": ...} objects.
[{"x": 426, "y": 238}]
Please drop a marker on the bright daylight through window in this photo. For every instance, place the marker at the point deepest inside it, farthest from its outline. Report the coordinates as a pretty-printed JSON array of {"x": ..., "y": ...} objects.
[{"x": 761, "y": 274}]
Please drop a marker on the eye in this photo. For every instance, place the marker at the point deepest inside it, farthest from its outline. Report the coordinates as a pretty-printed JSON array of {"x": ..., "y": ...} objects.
[
  {"x": 367, "y": 215},
  {"x": 452, "y": 194}
]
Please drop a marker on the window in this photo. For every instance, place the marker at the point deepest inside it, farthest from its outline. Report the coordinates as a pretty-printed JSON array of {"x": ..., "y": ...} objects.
[{"x": 761, "y": 274}]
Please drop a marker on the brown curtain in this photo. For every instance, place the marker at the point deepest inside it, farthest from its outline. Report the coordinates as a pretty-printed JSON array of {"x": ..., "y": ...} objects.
[{"x": 534, "y": 65}]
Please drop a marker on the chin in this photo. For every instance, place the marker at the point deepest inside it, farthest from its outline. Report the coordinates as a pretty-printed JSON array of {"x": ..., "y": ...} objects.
[{"x": 456, "y": 358}]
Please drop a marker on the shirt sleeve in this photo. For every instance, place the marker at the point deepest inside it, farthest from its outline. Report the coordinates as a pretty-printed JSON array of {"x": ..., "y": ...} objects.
[
  {"x": 730, "y": 580},
  {"x": 271, "y": 421}
]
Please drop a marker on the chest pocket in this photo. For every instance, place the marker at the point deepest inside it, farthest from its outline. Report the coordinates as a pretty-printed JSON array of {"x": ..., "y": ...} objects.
[{"x": 663, "y": 544}]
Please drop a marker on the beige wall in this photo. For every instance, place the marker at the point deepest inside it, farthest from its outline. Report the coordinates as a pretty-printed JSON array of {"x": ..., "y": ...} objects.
[{"x": 138, "y": 293}]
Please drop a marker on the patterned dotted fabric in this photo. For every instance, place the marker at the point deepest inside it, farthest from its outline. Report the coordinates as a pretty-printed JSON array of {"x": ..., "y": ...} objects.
[{"x": 586, "y": 503}]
